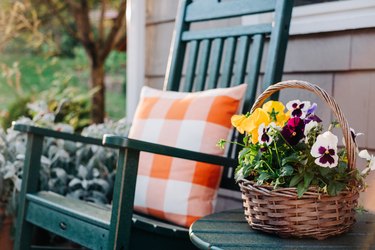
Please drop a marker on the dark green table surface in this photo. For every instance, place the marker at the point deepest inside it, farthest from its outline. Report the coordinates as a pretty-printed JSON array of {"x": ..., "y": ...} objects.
[{"x": 229, "y": 230}]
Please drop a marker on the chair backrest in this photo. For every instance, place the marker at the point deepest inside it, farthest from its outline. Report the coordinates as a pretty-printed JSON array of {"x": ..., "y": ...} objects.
[{"x": 203, "y": 59}]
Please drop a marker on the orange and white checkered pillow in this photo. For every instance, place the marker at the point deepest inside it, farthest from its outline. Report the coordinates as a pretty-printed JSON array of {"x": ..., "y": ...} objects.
[{"x": 173, "y": 189}]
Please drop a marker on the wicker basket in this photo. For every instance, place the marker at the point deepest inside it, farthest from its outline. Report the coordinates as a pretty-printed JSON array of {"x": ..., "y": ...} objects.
[{"x": 314, "y": 215}]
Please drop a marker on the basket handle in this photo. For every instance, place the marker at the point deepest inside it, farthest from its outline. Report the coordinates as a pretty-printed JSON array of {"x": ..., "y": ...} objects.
[{"x": 297, "y": 84}]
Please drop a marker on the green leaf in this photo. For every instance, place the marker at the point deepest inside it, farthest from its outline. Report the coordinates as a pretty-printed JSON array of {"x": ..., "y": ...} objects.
[
  {"x": 245, "y": 140},
  {"x": 301, "y": 189},
  {"x": 243, "y": 152},
  {"x": 342, "y": 167},
  {"x": 334, "y": 187},
  {"x": 300, "y": 147},
  {"x": 287, "y": 170},
  {"x": 315, "y": 182},
  {"x": 308, "y": 177},
  {"x": 293, "y": 158},
  {"x": 295, "y": 180},
  {"x": 303, "y": 161},
  {"x": 279, "y": 181},
  {"x": 263, "y": 177},
  {"x": 247, "y": 170},
  {"x": 324, "y": 171},
  {"x": 221, "y": 143},
  {"x": 238, "y": 168},
  {"x": 248, "y": 154}
]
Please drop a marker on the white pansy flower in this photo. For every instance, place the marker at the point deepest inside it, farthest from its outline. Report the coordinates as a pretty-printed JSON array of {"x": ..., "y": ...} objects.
[
  {"x": 309, "y": 126},
  {"x": 298, "y": 108},
  {"x": 264, "y": 133},
  {"x": 370, "y": 158},
  {"x": 325, "y": 150}
]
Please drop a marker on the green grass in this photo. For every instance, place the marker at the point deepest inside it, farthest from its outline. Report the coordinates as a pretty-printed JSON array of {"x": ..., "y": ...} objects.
[
  {"x": 115, "y": 105},
  {"x": 38, "y": 73}
]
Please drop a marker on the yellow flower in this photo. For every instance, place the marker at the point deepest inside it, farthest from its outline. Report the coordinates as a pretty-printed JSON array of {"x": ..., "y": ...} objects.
[
  {"x": 258, "y": 117},
  {"x": 250, "y": 124},
  {"x": 282, "y": 119},
  {"x": 240, "y": 122},
  {"x": 275, "y": 110}
]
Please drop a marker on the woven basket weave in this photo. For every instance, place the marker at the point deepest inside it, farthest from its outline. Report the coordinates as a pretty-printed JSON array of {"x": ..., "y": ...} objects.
[{"x": 314, "y": 215}]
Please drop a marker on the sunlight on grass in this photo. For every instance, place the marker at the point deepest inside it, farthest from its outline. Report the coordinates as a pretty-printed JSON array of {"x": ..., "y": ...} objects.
[
  {"x": 37, "y": 73},
  {"x": 115, "y": 105}
]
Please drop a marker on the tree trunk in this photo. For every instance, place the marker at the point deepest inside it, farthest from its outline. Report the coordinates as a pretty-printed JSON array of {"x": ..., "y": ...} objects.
[{"x": 98, "y": 99}]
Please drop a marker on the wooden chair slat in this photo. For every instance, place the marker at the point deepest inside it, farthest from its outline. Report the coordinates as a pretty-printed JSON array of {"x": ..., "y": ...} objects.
[
  {"x": 256, "y": 52},
  {"x": 230, "y": 50},
  {"x": 277, "y": 44},
  {"x": 226, "y": 32},
  {"x": 226, "y": 182},
  {"x": 192, "y": 63},
  {"x": 203, "y": 65},
  {"x": 217, "y": 52},
  {"x": 212, "y": 9},
  {"x": 241, "y": 63},
  {"x": 175, "y": 60},
  {"x": 92, "y": 213}
]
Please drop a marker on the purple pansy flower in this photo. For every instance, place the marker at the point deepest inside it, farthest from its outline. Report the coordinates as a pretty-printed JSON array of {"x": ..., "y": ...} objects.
[
  {"x": 325, "y": 150},
  {"x": 312, "y": 109},
  {"x": 310, "y": 116},
  {"x": 293, "y": 131},
  {"x": 298, "y": 108}
]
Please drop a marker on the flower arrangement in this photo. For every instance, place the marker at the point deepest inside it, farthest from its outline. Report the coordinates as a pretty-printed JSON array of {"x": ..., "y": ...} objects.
[
  {"x": 285, "y": 146},
  {"x": 294, "y": 178}
]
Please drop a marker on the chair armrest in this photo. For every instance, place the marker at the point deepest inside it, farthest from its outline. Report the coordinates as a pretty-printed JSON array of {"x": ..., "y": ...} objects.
[
  {"x": 56, "y": 134},
  {"x": 124, "y": 142}
]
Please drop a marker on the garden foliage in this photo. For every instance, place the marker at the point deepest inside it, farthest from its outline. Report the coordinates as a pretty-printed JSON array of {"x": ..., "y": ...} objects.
[{"x": 77, "y": 170}]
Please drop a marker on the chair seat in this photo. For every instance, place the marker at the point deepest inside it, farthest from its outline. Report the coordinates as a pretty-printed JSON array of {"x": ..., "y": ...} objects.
[
  {"x": 81, "y": 222},
  {"x": 87, "y": 223}
]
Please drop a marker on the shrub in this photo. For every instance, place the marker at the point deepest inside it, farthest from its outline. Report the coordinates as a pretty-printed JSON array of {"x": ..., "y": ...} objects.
[{"x": 71, "y": 169}]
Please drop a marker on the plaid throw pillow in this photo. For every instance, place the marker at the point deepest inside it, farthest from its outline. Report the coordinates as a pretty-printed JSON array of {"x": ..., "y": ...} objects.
[{"x": 173, "y": 189}]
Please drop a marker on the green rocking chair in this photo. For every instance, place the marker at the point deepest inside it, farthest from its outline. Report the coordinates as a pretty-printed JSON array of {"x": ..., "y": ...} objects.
[{"x": 227, "y": 56}]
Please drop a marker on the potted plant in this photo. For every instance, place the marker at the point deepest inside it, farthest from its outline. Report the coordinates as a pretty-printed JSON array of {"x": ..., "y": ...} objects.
[{"x": 295, "y": 180}]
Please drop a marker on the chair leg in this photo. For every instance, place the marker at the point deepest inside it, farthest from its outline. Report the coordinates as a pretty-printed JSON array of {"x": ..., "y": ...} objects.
[
  {"x": 30, "y": 178},
  {"x": 122, "y": 208}
]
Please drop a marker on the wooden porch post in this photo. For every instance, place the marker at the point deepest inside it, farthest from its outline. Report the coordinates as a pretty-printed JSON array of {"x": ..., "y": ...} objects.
[{"x": 135, "y": 71}]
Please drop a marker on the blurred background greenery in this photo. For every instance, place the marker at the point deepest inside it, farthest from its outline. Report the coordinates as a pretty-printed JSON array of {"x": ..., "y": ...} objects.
[
  {"x": 35, "y": 72},
  {"x": 47, "y": 60},
  {"x": 39, "y": 58}
]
